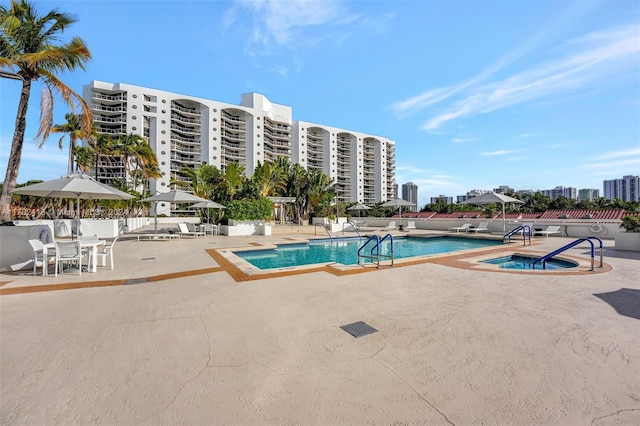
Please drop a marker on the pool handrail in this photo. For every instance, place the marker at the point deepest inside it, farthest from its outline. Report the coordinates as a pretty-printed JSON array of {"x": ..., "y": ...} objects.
[
  {"x": 375, "y": 238},
  {"x": 323, "y": 227},
  {"x": 391, "y": 251},
  {"x": 353, "y": 226},
  {"x": 574, "y": 243},
  {"x": 514, "y": 231}
]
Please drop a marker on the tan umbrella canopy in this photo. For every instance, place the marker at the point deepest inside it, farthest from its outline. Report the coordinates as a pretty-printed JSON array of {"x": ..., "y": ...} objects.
[
  {"x": 397, "y": 202},
  {"x": 78, "y": 186},
  {"x": 493, "y": 198},
  {"x": 359, "y": 207},
  {"x": 207, "y": 205},
  {"x": 176, "y": 197}
]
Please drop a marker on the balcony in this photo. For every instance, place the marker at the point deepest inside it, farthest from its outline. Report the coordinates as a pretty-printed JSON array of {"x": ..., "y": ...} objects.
[
  {"x": 181, "y": 119},
  {"x": 108, "y": 109},
  {"x": 191, "y": 111},
  {"x": 103, "y": 97},
  {"x": 234, "y": 118},
  {"x": 185, "y": 130},
  {"x": 190, "y": 141}
]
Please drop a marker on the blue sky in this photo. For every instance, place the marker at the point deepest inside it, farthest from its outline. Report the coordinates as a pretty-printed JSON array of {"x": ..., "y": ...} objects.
[{"x": 531, "y": 93}]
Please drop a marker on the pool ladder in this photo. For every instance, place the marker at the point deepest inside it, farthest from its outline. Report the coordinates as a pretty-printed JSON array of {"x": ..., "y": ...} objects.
[
  {"x": 353, "y": 226},
  {"x": 374, "y": 252},
  {"x": 546, "y": 257},
  {"x": 325, "y": 228},
  {"x": 526, "y": 232}
]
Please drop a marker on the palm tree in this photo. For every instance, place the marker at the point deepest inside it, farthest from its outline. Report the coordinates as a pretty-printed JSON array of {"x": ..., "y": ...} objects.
[
  {"x": 268, "y": 178},
  {"x": 234, "y": 175},
  {"x": 135, "y": 151},
  {"x": 29, "y": 50},
  {"x": 85, "y": 158},
  {"x": 76, "y": 132}
]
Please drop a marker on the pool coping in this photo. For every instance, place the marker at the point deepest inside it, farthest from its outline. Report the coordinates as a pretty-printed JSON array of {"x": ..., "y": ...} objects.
[{"x": 471, "y": 259}]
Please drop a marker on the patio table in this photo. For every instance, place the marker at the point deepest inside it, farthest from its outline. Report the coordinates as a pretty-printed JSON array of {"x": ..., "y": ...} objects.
[{"x": 90, "y": 244}]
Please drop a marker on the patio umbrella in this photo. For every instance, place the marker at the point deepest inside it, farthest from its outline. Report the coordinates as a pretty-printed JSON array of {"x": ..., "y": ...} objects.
[
  {"x": 78, "y": 186},
  {"x": 359, "y": 207},
  {"x": 207, "y": 205},
  {"x": 175, "y": 197},
  {"x": 397, "y": 202},
  {"x": 493, "y": 198}
]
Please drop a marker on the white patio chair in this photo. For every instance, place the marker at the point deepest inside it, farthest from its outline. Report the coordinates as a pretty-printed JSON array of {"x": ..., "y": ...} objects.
[
  {"x": 482, "y": 227},
  {"x": 184, "y": 230},
  {"x": 38, "y": 255},
  {"x": 464, "y": 228},
  {"x": 549, "y": 230},
  {"x": 210, "y": 228},
  {"x": 107, "y": 251},
  {"x": 68, "y": 252}
]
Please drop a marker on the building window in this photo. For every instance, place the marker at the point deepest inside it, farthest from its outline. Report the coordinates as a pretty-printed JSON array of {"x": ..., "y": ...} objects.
[
  {"x": 163, "y": 184},
  {"x": 163, "y": 142},
  {"x": 163, "y": 132},
  {"x": 163, "y": 152},
  {"x": 134, "y": 117},
  {"x": 135, "y": 96},
  {"x": 134, "y": 107},
  {"x": 164, "y": 101},
  {"x": 134, "y": 128},
  {"x": 163, "y": 121},
  {"x": 163, "y": 163}
]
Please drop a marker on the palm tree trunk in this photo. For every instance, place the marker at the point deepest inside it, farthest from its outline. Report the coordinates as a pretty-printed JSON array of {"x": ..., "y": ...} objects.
[{"x": 13, "y": 163}]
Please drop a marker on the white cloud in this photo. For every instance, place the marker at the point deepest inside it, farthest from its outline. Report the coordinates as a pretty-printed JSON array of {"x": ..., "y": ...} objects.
[
  {"x": 462, "y": 140},
  {"x": 598, "y": 57},
  {"x": 498, "y": 152},
  {"x": 618, "y": 154}
]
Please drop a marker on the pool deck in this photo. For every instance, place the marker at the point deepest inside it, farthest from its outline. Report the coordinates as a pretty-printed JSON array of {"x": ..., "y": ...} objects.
[{"x": 179, "y": 334}]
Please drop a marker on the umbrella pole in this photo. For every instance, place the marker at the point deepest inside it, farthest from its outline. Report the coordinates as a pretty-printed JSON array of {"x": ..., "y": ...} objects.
[
  {"x": 155, "y": 218},
  {"x": 504, "y": 220}
]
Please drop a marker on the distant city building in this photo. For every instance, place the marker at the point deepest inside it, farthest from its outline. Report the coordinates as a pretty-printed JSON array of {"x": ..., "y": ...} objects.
[
  {"x": 442, "y": 198},
  {"x": 567, "y": 192},
  {"x": 626, "y": 189},
  {"x": 410, "y": 194},
  {"x": 471, "y": 194},
  {"x": 503, "y": 189},
  {"x": 588, "y": 194},
  {"x": 186, "y": 131}
]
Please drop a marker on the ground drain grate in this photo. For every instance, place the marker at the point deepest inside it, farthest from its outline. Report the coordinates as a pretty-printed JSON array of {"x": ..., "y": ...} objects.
[
  {"x": 136, "y": 281},
  {"x": 148, "y": 258},
  {"x": 358, "y": 329}
]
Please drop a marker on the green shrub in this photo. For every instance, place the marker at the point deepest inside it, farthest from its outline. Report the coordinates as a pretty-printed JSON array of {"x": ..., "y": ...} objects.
[
  {"x": 631, "y": 223},
  {"x": 254, "y": 209}
]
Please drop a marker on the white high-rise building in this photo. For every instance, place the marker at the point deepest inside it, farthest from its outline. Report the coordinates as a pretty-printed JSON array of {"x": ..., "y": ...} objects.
[
  {"x": 410, "y": 193},
  {"x": 186, "y": 131},
  {"x": 626, "y": 189}
]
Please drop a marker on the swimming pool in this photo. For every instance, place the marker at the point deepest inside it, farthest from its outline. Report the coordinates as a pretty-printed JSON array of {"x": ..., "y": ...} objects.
[
  {"x": 522, "y": 262},
  {"x": 344, "y": 251}
]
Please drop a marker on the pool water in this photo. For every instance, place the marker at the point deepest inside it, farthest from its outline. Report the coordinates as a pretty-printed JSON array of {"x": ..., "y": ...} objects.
[
  {"x": 345, "y": 251},
  {"x": 525, "y": 262}
]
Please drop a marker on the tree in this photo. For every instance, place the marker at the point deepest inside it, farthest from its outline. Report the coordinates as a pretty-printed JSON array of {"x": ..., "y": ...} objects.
[
  {"x": 136, "y": 152},
  {"x": 234, "y": 176},
  {"x": 76, "y": 132},
  {"x": 28, "y": 50},
  {"x": 268, "y": 178}
]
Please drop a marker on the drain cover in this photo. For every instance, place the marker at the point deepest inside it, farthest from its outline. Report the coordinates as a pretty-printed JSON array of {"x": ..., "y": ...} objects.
[
  {"x": 136, "y": 281},
  {"x": 358, "y": 329}
]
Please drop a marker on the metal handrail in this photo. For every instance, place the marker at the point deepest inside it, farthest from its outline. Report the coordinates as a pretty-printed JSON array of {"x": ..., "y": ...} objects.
[
  {"x": 353, "y": 226},
  {"x": 391, "y": 251},
  {"x": 323, "y": 227},
  {"x": 514, "y": 231},
  {"x": 375, "y": 238},
  {"x": 546, "y": 257}
]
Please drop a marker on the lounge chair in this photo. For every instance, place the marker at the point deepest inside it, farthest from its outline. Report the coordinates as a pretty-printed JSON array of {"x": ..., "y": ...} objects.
[
  {"x": 548, "y": 230},
  {"x": 184, "y": 230},
  {"x": 482, "y": 227},
  {"x": 464, "y": 228},
  {"x": 391, "y": 225}
]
